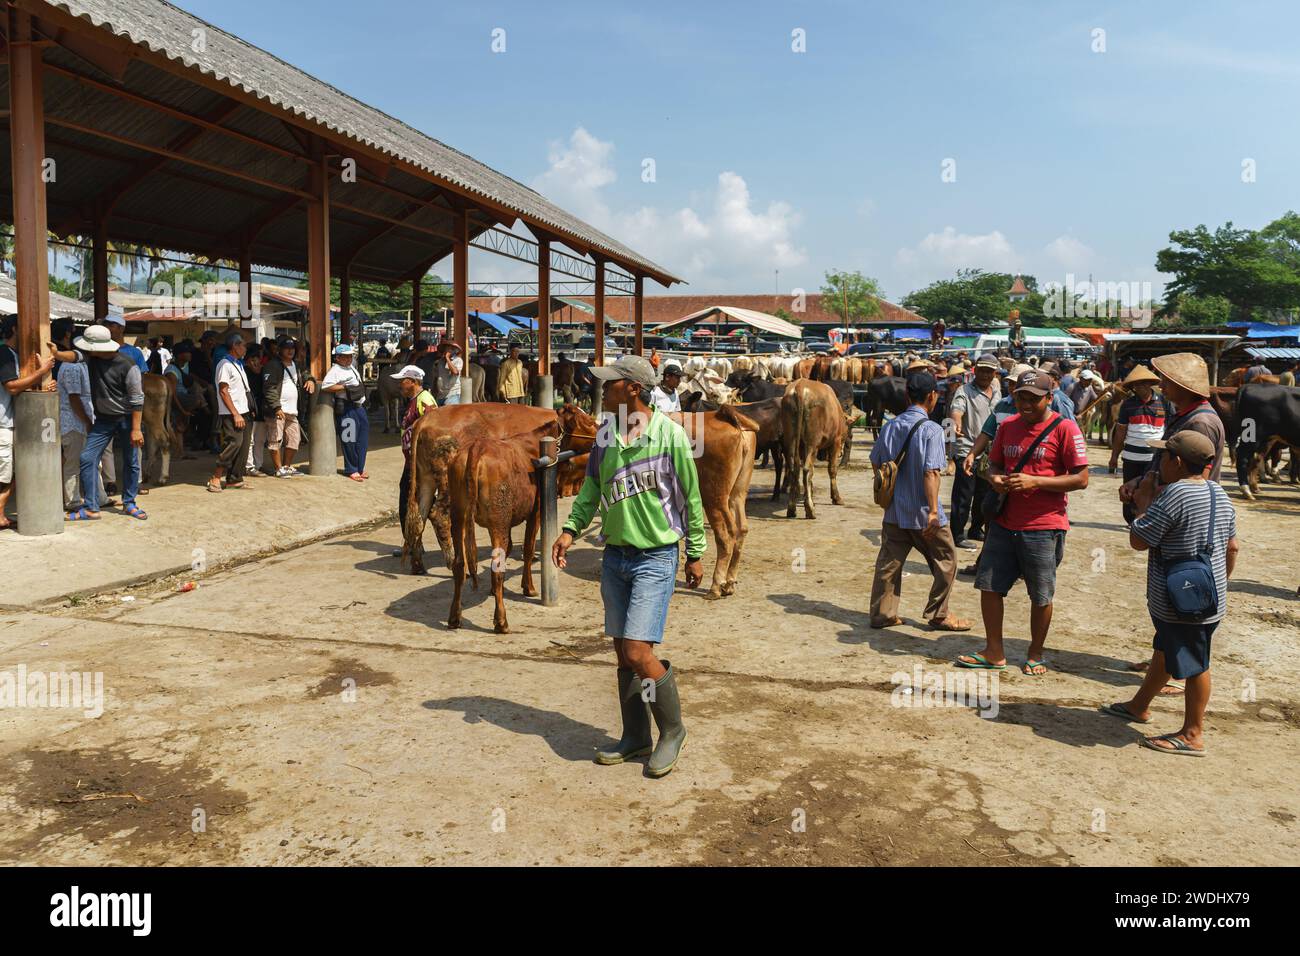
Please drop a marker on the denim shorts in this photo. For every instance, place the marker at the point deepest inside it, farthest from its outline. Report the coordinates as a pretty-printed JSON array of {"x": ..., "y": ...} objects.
[
  {"x": 636, "y": 587},
  {"x": 1009, "y": 556},
  {"x": 1186, "y": 646}
]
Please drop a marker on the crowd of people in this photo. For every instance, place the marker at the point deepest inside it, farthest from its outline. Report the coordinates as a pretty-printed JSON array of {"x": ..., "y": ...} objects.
[{"x": 1012, "y": 484}]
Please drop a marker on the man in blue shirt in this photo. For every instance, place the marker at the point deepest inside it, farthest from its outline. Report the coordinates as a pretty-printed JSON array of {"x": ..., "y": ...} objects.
[
  {"x": 1061, "y": 403},
  {"x": 117, "y": 328},
  {"x": 914, "y": 518}
]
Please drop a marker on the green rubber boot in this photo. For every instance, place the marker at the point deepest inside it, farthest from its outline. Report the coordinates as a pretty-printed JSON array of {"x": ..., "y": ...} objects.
[
  {"x": 667, "y": 710},
  {"x": 636, "y": 741}
]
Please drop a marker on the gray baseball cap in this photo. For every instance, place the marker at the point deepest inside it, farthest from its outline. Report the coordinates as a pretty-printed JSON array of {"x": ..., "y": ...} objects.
[{"x": 634, "y": 368}]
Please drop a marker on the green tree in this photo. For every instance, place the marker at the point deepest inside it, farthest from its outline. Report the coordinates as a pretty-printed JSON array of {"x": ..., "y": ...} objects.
[
  {"x": 177, "y": 277},
  {"x": 63, "y": 286},
  {"x": 1251, "y": 269},
  {"x": 850, "y": 295},
  {"x": 976, "y": 298}
]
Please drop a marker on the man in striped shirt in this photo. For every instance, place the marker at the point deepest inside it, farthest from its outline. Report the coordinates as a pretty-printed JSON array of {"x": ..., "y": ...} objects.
[
  {"x": 1174, "y": 523},
  {"x": 1141, "y": 419},
  {"x": 914, "y": 518}
]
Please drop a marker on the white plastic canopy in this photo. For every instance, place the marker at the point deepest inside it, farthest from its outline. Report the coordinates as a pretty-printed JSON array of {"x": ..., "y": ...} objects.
[{"x": 759, "y": 320}]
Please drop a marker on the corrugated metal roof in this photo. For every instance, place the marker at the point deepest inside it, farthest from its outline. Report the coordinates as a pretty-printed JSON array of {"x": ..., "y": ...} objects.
[
  {"x": 168, "y": 30},
  {"x": 1275, "y": 353}
]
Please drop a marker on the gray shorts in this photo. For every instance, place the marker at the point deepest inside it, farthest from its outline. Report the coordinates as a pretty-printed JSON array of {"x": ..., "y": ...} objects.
[{"x": 1009, "y": 556}]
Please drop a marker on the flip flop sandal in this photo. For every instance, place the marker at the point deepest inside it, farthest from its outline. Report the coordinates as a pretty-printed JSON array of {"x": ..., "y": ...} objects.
[
  {"x": 356, "y": 477},
  {"x": 892, "y": 622},
  {"x": 80, "y": 515},
  {"x": 1027, "y": 668},
  {"x": 1180, "y": 747},
  {"x": 214, "y": 487},
  {"x": 137, "y": 513},
  {"x": 1118, "y": 710},
  {"x": 978, "y": 662}
]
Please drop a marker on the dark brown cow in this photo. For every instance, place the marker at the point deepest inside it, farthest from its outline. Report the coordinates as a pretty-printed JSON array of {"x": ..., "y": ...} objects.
[
  {"x": 493, "y": 485},
  {"x": 812, "y": 422},
  {"x": 430, "y": 490}
]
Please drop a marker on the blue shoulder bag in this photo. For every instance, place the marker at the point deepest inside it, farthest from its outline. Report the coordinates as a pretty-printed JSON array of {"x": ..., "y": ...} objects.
[{"x": 1193, "y": 594}]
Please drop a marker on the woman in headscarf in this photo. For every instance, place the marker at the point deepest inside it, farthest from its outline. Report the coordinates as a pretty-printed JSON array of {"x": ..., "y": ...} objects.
[{"x": 350, "y": 418}]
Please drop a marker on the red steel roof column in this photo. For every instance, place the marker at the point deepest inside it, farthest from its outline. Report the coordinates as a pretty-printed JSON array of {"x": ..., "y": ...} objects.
[
  {"x": 27, "y": 144},
  {"x": 345, "y": 301},
  {"x": 246, "y": 317},
  {"x": 460, "y": 283},
  {"x": 599, "y": 358},
  {"x": 99, "y": 265},
  {"x": 638, "y": 301},
  {"x": 417, "y": 306},
  {"x": 543, "y": 305}
]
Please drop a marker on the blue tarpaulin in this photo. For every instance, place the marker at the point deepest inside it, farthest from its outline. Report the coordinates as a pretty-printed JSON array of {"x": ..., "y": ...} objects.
[
  {"x": 1265, "y": 330},
  {"x": 500, "y": 323},
  {"x": 901, "y": 334}
]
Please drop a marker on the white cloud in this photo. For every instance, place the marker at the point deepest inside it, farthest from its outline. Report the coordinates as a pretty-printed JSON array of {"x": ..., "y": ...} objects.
[
  {"x": 727, "y": 244},
  {"x": 1069, "y": 253},
  {"x": 940, "y": 254}
]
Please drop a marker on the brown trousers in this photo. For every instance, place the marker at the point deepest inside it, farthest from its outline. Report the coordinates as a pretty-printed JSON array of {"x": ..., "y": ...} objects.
[{"x": 895, "y": 545}]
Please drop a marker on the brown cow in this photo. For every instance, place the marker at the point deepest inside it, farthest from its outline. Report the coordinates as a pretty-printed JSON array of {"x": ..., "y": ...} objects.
[
  {"x": 164, "y": 422},
  {"x": 430, "y": 489},
  {"x": 493, "y": 484},
  {"x": 727, "y": 440},
  {"x": 812, "y": 422},
  {"x": 1237, "y": 377},
  {"x": 725, "y": 466}
]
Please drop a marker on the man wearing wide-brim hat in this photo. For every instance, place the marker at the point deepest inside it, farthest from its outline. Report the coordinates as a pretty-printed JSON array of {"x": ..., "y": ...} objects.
[{"x": 1185, "y": 382}]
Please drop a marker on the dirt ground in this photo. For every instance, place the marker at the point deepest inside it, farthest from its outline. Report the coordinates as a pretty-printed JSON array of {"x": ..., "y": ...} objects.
[{"x": 312, "y": 708}]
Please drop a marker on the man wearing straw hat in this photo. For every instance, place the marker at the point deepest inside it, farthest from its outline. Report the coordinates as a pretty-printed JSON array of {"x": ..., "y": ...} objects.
[
  {"x": 1185, "y": 383},
  {"x": 1141, "y": 418}
]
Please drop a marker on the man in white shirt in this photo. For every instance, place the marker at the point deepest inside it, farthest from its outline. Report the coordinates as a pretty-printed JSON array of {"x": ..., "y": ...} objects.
[
  {"x": 664, "y": 396},
  {"x": 448, "y": 370},
  {"x": 232, "y": 405}
]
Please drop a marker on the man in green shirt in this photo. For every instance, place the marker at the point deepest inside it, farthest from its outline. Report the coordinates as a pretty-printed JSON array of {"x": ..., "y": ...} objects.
[{"x": 642, "y": 475}]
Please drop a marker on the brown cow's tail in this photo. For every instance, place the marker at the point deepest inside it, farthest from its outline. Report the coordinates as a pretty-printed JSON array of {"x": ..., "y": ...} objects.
[
  {"x": 469, "y": 534},
  {"x": 729, "y": 415}
]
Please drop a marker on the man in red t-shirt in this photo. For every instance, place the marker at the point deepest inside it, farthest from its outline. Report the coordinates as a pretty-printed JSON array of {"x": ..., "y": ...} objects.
[{"x": 1027, "y": 538}]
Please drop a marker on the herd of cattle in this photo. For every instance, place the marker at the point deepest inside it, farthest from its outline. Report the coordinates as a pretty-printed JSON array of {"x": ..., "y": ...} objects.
[{"x": 471, "y": 465}]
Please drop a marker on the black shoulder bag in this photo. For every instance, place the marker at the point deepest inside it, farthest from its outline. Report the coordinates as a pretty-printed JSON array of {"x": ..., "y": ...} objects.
[{"x": 995, "y": 501}]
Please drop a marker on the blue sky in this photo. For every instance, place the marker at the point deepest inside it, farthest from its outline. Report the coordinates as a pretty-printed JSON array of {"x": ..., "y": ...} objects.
[{"x": 1066, "y": 159}]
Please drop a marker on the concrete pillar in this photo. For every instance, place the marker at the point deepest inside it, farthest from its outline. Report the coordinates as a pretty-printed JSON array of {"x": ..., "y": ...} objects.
[
  {"x": 545, "y": 391},
  {"x": 38, "y": 465},
  {"x": 324, "y": 444}
]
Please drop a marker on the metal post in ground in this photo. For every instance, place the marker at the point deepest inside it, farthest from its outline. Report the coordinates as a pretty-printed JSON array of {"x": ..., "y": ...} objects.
[{"x": 550, "y": 525}]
